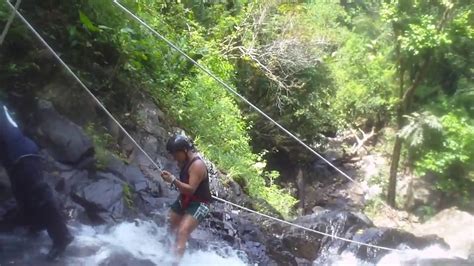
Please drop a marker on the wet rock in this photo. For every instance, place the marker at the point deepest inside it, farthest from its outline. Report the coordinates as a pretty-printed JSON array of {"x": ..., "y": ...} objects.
[
  {"x": 148, "y": 204},
  {"x": 420, "y": 192},
  {"x": 65, "y": 140},
  {"x": 155, "y": 183},
  {"x": 258, "y": 253},
  {"x": 453, "y": 226},
  {"x": 309, "y": 245},
  {"x": 302, "y": 244},
  {"x": 128, "y": 173},
  {"x": 125, "y": 259},
  {"x": 131, "y": 174},
  {"x": 70, "y": 179},
  {"x": 101, "y": 199},
  {"x": 66, "y": 98},
  {"x": 151, "y": 118},
  {"x": 279, "y": 253},
  {"x": 245, "y": 235},
  {"x": 390, "y": 238}
]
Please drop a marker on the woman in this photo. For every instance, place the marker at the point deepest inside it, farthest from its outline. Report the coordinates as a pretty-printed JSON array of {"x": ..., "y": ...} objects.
[{"x": 192, "y": 205}]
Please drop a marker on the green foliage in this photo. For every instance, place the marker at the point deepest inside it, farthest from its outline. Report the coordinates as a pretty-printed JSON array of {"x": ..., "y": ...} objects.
[
  {"x": 452, "y": 159},
  {"x": 87, "y": 22},
  {"x": 221, "y": 132},
  {"x": 415, "y": 130},
  {"x": 364, "y": 78},
  {"x": 315, "y": 66},
  {"x": 372, "y": 207},
  {"x": 197, "y": 103},
  {"x": 104, "y": 145},
  {"x": 426, "y": 212},
  {"x": 285, "y": 72},
  {"x": 423, "y": 36},
  {"x": 128, "y": 196}
]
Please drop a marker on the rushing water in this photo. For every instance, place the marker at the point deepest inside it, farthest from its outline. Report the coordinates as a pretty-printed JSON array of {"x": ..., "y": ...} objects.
[
  {"x": 425, "y": 256},
  {"x": 146, "y": 243},
  {"x": 128, "y": 243}
]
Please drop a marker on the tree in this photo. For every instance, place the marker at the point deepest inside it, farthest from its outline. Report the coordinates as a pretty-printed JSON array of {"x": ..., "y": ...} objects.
[
  {"x": 420, "y": 32},
  {"x": 280, "y": 50}
]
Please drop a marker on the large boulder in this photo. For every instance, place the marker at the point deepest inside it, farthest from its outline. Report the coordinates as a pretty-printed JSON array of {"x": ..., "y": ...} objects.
[
  {"x": 130, "y": 174},
  {"x": 151, "y": 119},
  {"x": 310, "y": 245},
  {"x": 65, "y": 140},
  {"x": 243, "y": 234},
  {"x": 123, "y": 259},
  {"x": 390, "y": 238},
  {"x": 420, "y": 192},
  {"x": 102, "y": 200},
  {"x": 455, "y": 227}
]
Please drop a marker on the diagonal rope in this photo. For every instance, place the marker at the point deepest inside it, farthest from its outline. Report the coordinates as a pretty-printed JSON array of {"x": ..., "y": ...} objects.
[
  {"x": 69, "y": 70},
  {"x": 9, "y": 22},
  {"x": 232, "y": 90},
  {"x": 305, "y": 228},
  {"x": 32, "y": 29},
  {"x": 238, "y": 95}
]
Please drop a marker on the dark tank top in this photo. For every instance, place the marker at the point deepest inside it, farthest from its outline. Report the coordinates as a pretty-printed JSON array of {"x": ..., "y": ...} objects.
[{"x": 202, "y": 193}]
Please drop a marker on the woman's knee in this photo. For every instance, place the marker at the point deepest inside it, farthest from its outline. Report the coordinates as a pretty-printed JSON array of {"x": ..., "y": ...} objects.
[{"x": 183, "y": 232}]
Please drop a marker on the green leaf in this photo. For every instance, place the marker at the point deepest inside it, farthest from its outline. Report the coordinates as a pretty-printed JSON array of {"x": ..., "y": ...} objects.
[{"x": 87, "y": 23}]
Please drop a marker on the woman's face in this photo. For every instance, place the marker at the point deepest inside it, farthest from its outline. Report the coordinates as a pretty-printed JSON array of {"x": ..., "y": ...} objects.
[{"x": 179, "y": 156}]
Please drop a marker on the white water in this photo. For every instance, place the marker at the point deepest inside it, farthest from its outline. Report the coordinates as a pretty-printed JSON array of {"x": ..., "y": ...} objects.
[
  {"x": 146, "y": 240},
  {"x": 413, "y": 255},
  {"x": 143, "y": 240},
  {"x": 145, "y": 243},
  {"x": 406, "y": 257}
]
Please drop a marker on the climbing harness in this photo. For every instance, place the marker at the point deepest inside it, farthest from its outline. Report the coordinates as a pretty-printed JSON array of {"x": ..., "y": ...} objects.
[{"x": 155, "y": 164}]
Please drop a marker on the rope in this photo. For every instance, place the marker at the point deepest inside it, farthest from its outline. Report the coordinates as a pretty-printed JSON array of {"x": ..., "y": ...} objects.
[
  {"x": 81, "y": 83},
  {"x": 153, "y": 162},
  {"x": 9, "y": 22},
  {"x": 304, "y": 227},
  {"x": 233, "y": 91}
]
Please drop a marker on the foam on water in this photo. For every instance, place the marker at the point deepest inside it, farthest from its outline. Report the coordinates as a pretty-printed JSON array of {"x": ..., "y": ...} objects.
[
  {"x": 144, "y": 240},
  {"x": 431, "y": 252},
  {"x": 406, "y": 257},
  {"x": 143, "y": 243}
]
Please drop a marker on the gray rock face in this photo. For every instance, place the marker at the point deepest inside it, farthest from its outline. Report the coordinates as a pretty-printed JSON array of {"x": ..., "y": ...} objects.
[
  {"x": 124, "y": 259},
  {"x": 130, "y": 174},
  {"x": 421, "y": 192},
  {"x": 455, "y": 227},
  {"x": 244, "y": 235},
  {"x": 151, "y": 118},
  {"x": 101, "y": 200},
  {"x": 65, "y": 140}
]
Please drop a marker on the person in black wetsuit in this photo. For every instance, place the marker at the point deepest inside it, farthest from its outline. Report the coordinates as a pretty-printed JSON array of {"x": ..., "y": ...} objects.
[
  {"x": 19, "y": 155},
  {"x": 192, "y": 205}
]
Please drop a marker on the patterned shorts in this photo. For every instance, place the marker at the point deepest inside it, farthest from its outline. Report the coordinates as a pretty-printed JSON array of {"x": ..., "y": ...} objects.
[{"x": 198, "y": 210}]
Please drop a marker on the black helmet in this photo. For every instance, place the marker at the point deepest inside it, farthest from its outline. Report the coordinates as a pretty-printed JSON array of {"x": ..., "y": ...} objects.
[{"x": 179, "y": 143}]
